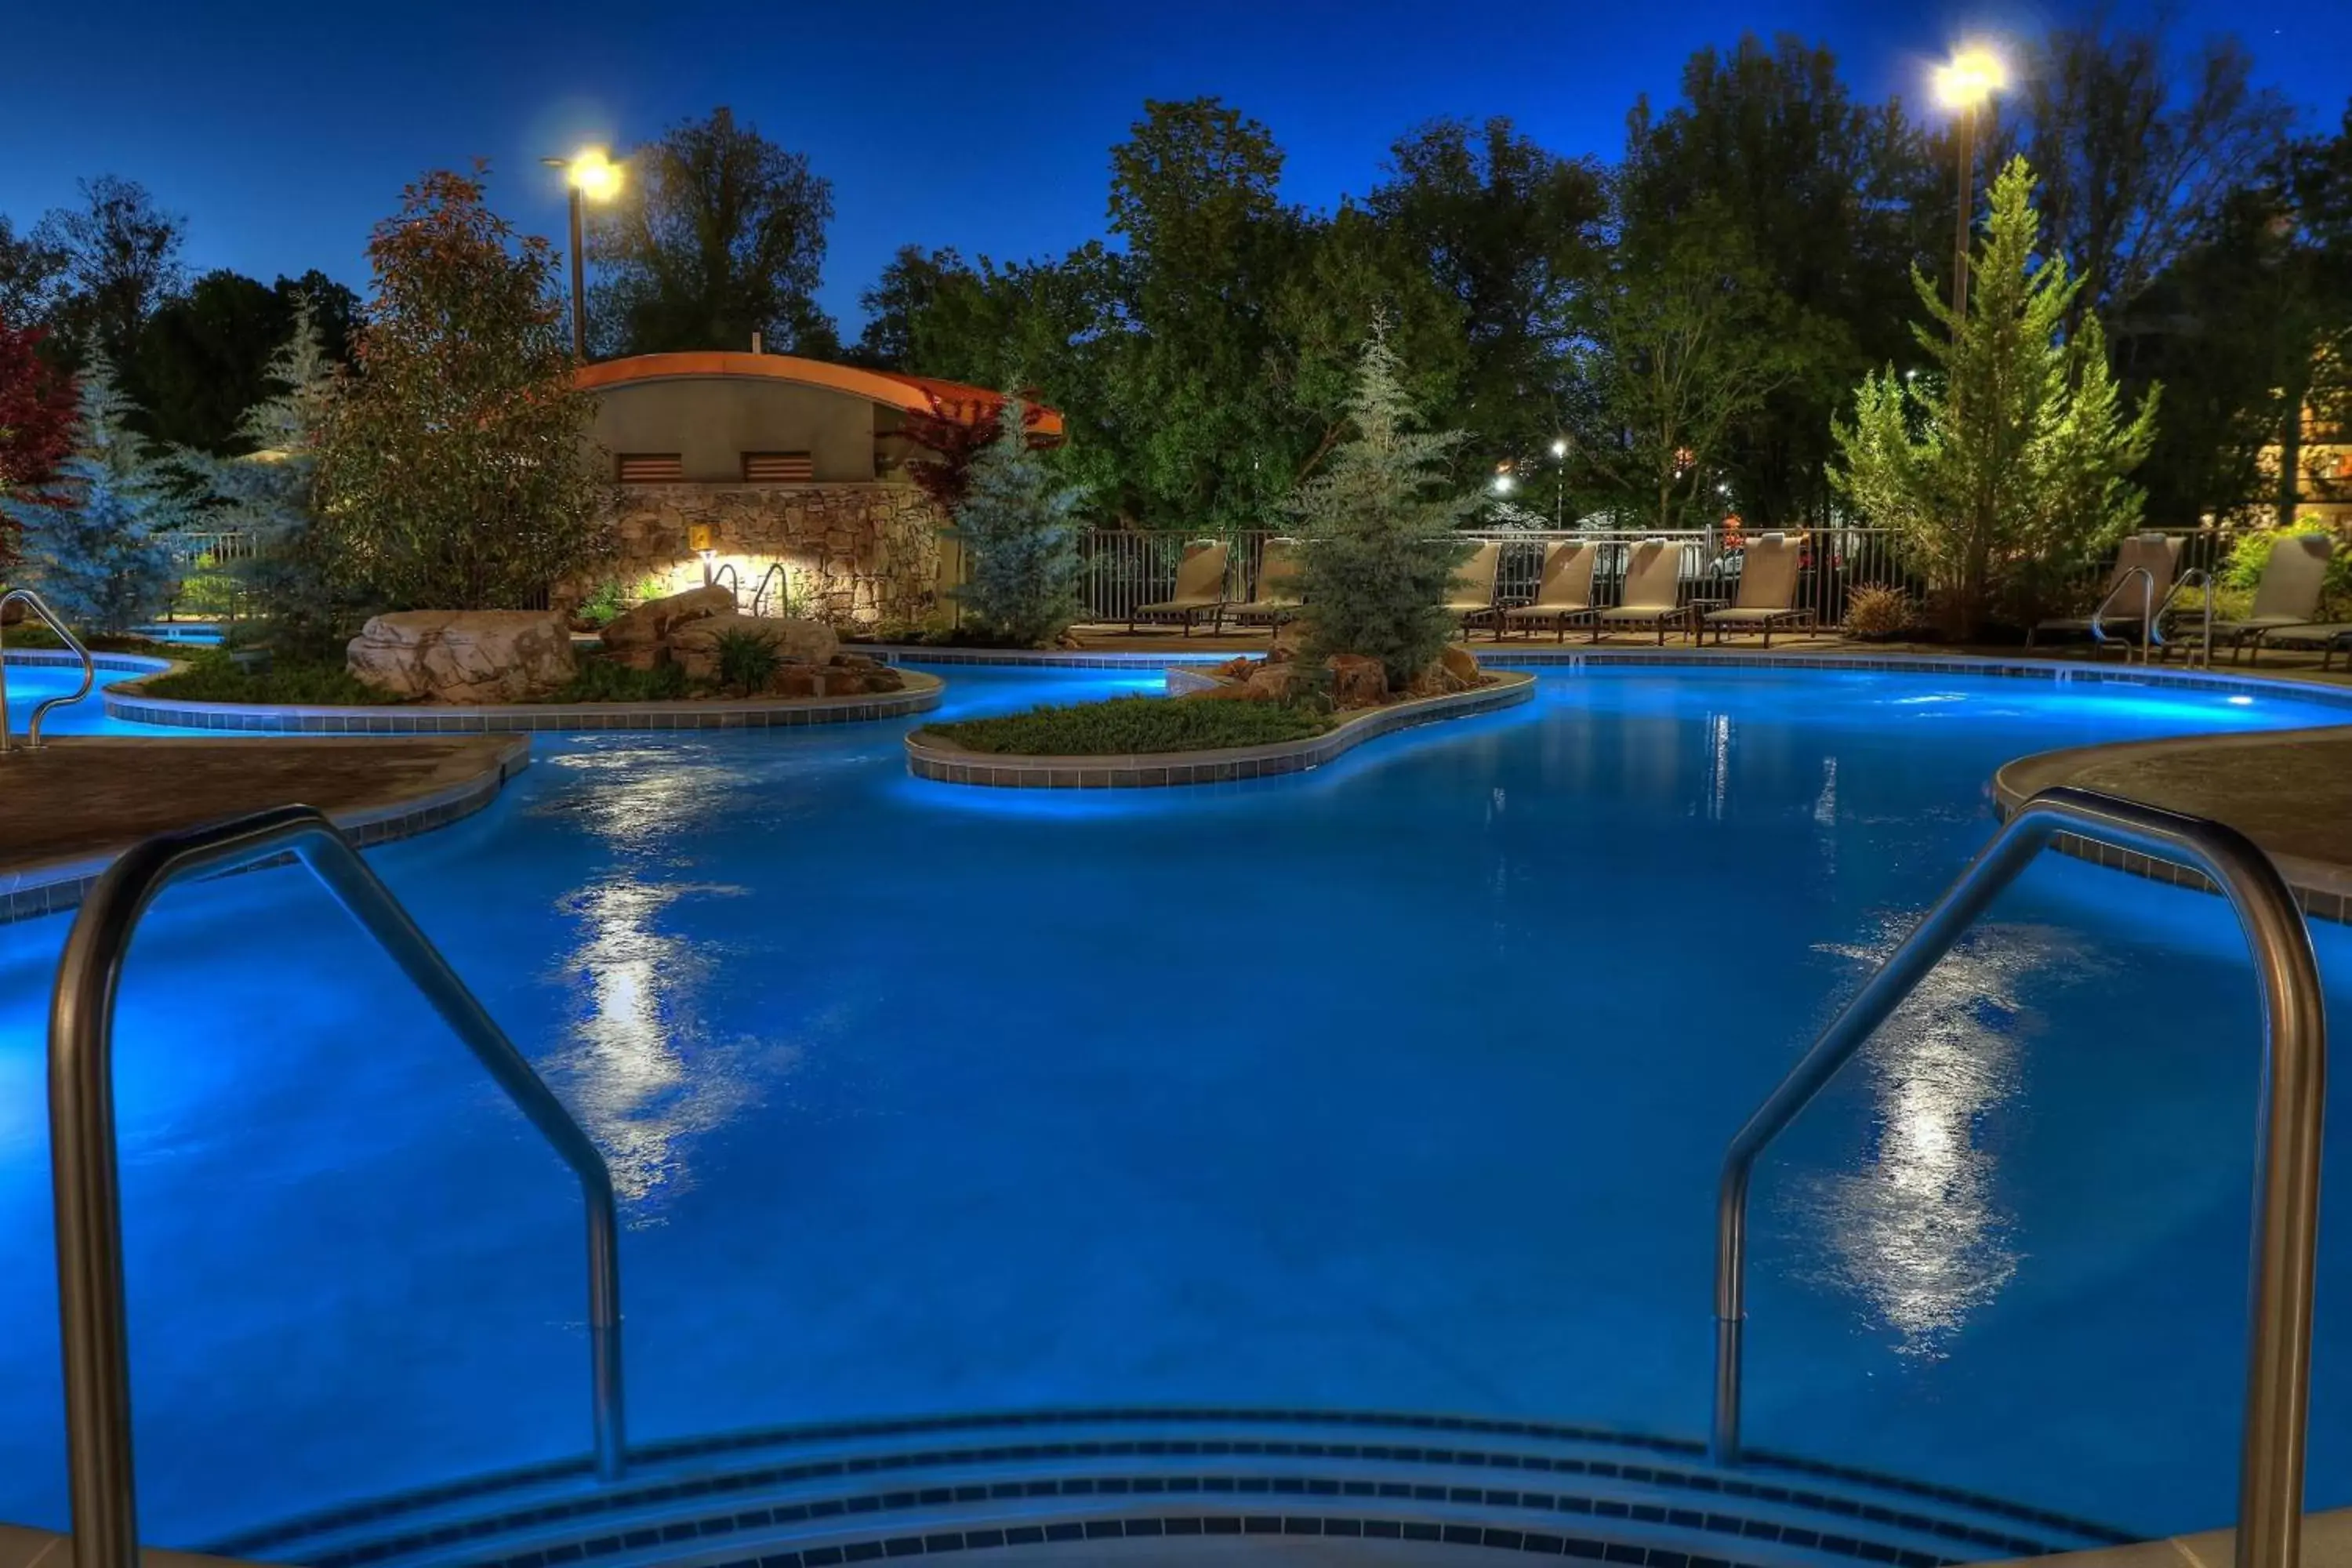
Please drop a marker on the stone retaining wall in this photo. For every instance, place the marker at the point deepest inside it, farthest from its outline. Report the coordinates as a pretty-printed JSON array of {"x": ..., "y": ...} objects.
[{"x": 859, "y": 554}]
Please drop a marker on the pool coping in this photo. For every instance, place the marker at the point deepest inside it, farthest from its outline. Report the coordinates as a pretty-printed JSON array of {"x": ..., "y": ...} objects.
[
  {"x": 922, "y": 693},
  {"x": 943, "y": 762},
  {"x": 2322, "y": 887},
  {"x": 55, "y": 886}
]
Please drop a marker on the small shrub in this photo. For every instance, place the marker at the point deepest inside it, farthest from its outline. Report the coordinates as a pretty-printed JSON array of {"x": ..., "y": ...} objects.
[
  {"x": 2242, "y": 572},
  {"x": 214, "y": 677},
  {"x": 747, "y": 661},
  {"x": 602, "y": 605},
  {"x": 1125, "y": 724},
  {"x": 609, "y": 681},
  {"x": 1876, "y": 612}
]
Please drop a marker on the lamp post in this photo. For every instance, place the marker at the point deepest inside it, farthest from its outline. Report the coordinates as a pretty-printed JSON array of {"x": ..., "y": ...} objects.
[
  {"x": 1966, "y": 85},
  {"x": 592, "y": 176},
  {"x": 1560, "y": 485}
]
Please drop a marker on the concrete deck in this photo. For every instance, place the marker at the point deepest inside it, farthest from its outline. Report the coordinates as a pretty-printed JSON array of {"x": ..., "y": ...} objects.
[{"x": 67, "y": 810}]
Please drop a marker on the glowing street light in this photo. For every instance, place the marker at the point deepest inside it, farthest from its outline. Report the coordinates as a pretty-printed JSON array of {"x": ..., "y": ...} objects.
[
  {"x": 592, "y": 175},
  {"x": 1965, "y": 85},
  {"x": 1502, "y": 484}
]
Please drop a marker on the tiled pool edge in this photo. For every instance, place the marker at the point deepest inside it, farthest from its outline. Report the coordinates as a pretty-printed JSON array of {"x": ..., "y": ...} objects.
[
  {"x": 922, "y": 694},
  {"x": 2322, "y": 890},
  {"x": 944, "y": 763},
  {"x": 57, "y": 885}
]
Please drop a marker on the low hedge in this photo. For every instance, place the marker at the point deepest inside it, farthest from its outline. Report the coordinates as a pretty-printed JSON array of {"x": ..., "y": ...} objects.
[{"x": 1124, "y": 725}]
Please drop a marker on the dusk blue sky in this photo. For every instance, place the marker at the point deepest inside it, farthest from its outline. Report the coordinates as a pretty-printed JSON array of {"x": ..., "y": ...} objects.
[{"x": 284, "y": 131}]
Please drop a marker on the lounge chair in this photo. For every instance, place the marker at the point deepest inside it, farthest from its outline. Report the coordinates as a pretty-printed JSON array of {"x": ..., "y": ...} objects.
[
  {"x": 2287, "y": 597},
  {"x": 1654, "y": 578},
  {"x": 1276, "y": 599},
  {"x": 1563, "y": 592},
  {"x": 1768, "y": 592},
  {"x": 1471, "y": 597},
  {"x": 2158, "y": 555},
  {"x": 2325, "y": 636},
  {"x": 1200, "y": 591}
]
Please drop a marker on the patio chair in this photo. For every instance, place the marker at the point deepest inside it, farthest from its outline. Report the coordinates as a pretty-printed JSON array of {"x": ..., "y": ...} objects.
[
  {"x": 1768, "y": 592},
  {"x": 1470, "y": 598},
  {"x": 2328, "y": 637},
  {"x": 1654, "y": 577},
  {"x": 2155, "y": 552},
  {"x": 1563, "y": 590},
  {"x": 1276, "y": 599},
  {"x": 1199, "y": 590},
  {"x": 2287, "y": 598}
]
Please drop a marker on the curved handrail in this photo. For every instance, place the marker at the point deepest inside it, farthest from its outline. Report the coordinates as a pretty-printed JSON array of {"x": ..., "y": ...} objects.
[
  {"x": 40, "y": 607},
  {"x": 2195, "y": 576},
  {"x": 726, "y": 568},
  {"x": 2286, "y": 1163},
  {"x": 82, "y": 1154},
  {"x": 774, "y": 574},
  {"x": 2147, "y": 609}
]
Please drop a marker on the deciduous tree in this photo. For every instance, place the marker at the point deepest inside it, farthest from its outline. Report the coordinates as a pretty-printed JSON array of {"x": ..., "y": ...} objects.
[
  {"x": 455, "y": 468},
  {"x": 122, "y": 262},
  {"x": 719, "y": 232}
]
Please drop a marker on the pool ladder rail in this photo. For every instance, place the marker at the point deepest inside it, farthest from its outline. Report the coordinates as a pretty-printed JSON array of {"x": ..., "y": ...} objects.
[
  {"x": 2287, "y": 1134},
  {"x": 84, "y": 1179},
  {"x": 39, "y": 606},
  {"x": 2152, "y": 612}
]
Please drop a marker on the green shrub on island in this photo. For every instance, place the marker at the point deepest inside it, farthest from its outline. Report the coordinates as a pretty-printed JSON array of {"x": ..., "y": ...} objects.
[
  {"x": 746, "y": 661},
  {"x": 215, "y": 675},
  {"x": 608, "y": 680},
  {"x": 1132, "y": 724}
]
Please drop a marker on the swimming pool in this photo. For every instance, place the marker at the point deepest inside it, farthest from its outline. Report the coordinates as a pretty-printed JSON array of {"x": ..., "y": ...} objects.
[{"x": 1399, "y": 1085}]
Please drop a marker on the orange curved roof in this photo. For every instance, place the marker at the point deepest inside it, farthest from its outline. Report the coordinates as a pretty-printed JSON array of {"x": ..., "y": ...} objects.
[{"x": 914, "y": 393}]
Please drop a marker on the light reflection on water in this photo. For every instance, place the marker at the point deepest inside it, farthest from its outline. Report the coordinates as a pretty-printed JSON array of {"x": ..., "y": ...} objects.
[
  {"x": 642, "y": 1069},
  {"x": 1918, "y": 1234}
]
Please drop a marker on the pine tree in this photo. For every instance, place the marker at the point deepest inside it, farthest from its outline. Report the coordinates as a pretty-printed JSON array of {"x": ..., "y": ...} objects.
[
  {"x": 95, "y": 536},
  {"x": 1019, "y": 530},
  {"x": 1380, "y": 547},
  {"x": 271, "y": 495},
  {"x": 2009, "y": 465}
]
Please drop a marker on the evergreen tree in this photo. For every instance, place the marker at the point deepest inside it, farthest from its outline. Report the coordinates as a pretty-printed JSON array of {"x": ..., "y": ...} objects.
[
  {"x": 2010, "y": 464},
  {"x": 270, "y": 495},
  {"x": 1380, "y": 549},
  {"x": 95, "y": 534},
  {"x": 1018, "y": 529}
]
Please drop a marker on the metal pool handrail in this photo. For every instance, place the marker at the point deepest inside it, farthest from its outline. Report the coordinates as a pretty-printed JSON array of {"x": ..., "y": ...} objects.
[
  {"x": 2194, "y": 577},
  {"x": 2147, "y": 611},
  {"x": 39, "y": 606},
  {"x": 82, "y": 1154},
  {"x": 774, "y": 574},
  {"x": 2287, "y": 1135}
]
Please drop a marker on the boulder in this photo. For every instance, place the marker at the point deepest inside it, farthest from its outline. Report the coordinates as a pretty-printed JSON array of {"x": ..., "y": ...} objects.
[
  {"x": 1356, "y": 681},
  {"x": 1461, "y": 664},
  {"x": 694, "y": 644},
  {"x": 652, "y": 657},
  {"x": 464, "y": 655},
  {"x": 794, "y": 681},
  {"x": 882, "y": 677},
  {"x": 1225, "y": 691},
  {"x": 651, "y": 623},
  {"x": 1275, "y": 682}
]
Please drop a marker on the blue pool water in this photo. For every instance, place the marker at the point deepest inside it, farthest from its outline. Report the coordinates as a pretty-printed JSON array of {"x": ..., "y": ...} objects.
[{"x": 1400, "y": 1085}]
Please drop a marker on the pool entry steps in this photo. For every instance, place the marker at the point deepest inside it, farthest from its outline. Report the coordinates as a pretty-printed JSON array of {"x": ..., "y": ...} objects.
[{"x": 1170, "y": 1486}]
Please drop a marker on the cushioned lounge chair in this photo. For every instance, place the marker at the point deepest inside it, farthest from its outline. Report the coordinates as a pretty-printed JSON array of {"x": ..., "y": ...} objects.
[
  {"x": 2286, "y": 599},
  {"x": 1563, "y": 590},
  {"x": 1768, "y": 592},
  {"x": 2130, "y": 597},
  {"x": 1654, "y": 575},
  {"x": 2328, "y": 637},
  {"x": 1276, "y": 599},
  {"x": 1200, "y": 591},
  {"x": 1471, "y": 597}
]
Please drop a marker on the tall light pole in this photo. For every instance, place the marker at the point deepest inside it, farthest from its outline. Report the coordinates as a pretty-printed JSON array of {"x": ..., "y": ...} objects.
[
  {"x": 1560, "y": 485},
  {"x": 591, "y": 176},
  {"x": 1965, "y": 86}
]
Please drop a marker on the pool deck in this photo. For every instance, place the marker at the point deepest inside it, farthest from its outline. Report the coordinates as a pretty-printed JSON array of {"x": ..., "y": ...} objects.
[{"x": 67, "y": 810}]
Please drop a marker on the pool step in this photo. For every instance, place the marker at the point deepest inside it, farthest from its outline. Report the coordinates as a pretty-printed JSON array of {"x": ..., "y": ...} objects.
[{"x": 1170, "y": 1486}]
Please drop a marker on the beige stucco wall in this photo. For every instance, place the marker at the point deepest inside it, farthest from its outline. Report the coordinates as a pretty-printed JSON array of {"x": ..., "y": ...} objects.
[
  {"x": 711, "y": 421},
  {"x": 859, "y": 554}
]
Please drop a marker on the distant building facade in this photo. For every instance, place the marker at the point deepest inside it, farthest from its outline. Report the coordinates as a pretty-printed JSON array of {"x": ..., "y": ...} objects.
[{"x": 741, "y": 463}]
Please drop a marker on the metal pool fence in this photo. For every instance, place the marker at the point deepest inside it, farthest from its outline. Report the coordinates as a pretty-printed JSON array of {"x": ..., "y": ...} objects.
[
  {"x": 1126, "y": 569},
  {"x": 211, "y": 587}
]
